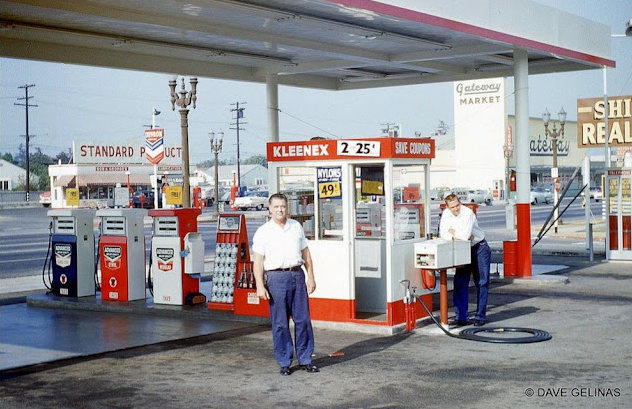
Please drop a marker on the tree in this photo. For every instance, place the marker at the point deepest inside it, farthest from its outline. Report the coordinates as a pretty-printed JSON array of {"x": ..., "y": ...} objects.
[
  {"x": 257, "y": 160},
  {"x": 64, "y": 157},
  {"x": 8, "y": 157}
]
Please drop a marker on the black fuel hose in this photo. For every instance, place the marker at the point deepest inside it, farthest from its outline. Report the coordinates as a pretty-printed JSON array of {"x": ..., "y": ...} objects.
[
  {"x": 48, "y": 260},
  {"x": 471, "y": 334}
]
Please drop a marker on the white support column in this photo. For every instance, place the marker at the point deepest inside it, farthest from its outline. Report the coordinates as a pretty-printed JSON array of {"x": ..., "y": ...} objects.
[
  {"x": 272, "y": 94},
  {"x": 523, "y": 165}
]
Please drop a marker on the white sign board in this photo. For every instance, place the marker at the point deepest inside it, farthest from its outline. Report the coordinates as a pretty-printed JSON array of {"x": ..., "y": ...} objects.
[
  {"x": 480, "y": 117},
  {"x": 121, "y": 196},
  {"x": 101, "y": 153}
]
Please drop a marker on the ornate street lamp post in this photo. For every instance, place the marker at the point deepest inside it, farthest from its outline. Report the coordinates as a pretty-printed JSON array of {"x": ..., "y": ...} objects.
[
  {"x": 183, "y": 101},
  {"x": 554, "y": 134},
  {"x": 216, "y": 147}
]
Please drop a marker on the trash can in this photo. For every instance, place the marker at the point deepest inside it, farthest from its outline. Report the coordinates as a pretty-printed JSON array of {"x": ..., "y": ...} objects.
[{"x": 510, "y": 258}]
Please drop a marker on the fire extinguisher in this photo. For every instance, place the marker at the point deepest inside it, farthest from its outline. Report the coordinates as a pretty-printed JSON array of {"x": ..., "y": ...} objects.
[{"x": 512, "y": 181}]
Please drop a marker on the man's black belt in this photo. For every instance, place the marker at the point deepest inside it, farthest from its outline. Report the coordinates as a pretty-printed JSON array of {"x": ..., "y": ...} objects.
[
  {"x": 480, "y": 242},
  {"x": 295, "y": 268}
]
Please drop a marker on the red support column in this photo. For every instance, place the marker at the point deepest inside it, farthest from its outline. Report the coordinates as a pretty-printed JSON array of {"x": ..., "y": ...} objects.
[
  {"x": 523, "y": 213},
  {"x": 443, "y": 296}
]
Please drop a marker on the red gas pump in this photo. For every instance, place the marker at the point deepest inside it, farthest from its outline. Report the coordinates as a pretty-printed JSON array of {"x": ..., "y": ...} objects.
[
  {"x": 122, "y": 254},
  {"x": 177, "y": 255},
  {"x": 197, "y": 193}
]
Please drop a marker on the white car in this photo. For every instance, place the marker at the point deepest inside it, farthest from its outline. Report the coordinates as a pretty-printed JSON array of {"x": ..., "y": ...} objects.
[
  {"x": 257, "y": 200},
  {"x": 540, "y": 195},
  {"x": 44, "y": 199},
  {"x": 466, "y": 195}
]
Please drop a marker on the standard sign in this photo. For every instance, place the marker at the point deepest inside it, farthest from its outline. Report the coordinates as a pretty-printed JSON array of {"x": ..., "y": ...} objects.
[{"x": 591, "y": 129}]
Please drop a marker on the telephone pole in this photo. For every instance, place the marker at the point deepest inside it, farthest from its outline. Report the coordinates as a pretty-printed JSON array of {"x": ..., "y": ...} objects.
[
  {"x": 26, "y": 105},
  {"x": 239, "y": 115}
]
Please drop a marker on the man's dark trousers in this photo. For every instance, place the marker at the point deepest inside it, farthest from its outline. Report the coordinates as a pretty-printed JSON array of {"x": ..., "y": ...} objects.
[
  {"x": 288, "y": 297},
  {"x": 479, "y": 268}
]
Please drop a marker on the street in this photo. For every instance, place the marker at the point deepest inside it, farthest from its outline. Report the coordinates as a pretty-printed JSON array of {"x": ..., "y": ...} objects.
[{"x": 25, "y": 232}]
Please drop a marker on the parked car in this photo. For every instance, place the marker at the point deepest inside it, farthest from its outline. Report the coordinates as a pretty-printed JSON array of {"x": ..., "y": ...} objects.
[
  {"x": 466, "y": 195},
  {"x": 540, "y": 195},
  {"x": 438, "y": 193},
  {"x": 44, "y": 199},
  {"x": 148, "y": 201},
  {"x": 255, "y": 199},
  {"x": 595, "y": 193}
]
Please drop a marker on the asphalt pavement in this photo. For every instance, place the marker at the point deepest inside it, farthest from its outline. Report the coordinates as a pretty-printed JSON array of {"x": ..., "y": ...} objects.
[{"x": 70, "y": 356}]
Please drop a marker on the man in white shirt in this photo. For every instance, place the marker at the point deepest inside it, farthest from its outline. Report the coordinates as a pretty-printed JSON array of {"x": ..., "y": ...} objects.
[
  {"x": 281, "y": 251},
  {"x": 458, "y": 222}
]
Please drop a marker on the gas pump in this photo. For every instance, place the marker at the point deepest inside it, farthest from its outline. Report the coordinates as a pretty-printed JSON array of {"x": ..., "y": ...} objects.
[
  {"x": 72, "y": 252},
  {"x": 177, "y": 254},
  {"x": 122, "y": 254}
]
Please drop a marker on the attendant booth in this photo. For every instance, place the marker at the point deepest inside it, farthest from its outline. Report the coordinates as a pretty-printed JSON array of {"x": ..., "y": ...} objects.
[
  {"x": 619, "y": 222},
  {"x": 363, "y": 203}
]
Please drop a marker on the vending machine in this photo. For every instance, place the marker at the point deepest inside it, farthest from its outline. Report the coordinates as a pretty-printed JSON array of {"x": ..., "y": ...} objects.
[
  {"x": 122, "y": 254},
  {"x": 73, "y": 252},
  {"x": 177, "y": 255}
]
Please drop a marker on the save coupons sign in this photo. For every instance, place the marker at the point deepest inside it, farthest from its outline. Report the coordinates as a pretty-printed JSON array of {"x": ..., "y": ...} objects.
[{"x": 329, "y": 181}]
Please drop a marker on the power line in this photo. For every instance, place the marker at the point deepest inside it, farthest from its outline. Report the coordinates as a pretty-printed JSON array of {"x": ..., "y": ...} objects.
[
  {"x": 307, "y": 123},
  {"x": 26, "y": 105}
]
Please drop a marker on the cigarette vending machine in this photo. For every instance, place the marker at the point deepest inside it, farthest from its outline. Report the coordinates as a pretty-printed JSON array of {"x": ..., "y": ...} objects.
[
  {"x": 122, "y": 254},
  {"x": 72, "y": 256},
  {"x": 177, "y": 255}
]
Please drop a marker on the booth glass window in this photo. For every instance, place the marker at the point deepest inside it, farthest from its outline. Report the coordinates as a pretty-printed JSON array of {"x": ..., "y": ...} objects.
[
  {"x": 330, "y": 191},
  {"x": 297, "y": 183},
  {"x": 369, "y": 207},
  {"x": 408, "y": 202}
]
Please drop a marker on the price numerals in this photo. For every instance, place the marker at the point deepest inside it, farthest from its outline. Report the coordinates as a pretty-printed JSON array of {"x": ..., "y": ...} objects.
[
  {"x": 329, "y": 189},
  {"x": 359, "y": 148}
]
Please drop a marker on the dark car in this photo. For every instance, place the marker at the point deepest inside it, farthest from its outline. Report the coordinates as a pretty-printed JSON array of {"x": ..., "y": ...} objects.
[{"x": 146, "y": 202}]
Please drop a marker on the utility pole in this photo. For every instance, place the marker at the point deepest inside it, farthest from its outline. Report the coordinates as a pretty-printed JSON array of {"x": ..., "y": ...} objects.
[
  {"x": 28, "y": 136},
  {"x": 239, "y": 115}
]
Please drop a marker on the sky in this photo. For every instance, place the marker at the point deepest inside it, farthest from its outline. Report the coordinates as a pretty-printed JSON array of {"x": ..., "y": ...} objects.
[{"x": 97, "y": 104}]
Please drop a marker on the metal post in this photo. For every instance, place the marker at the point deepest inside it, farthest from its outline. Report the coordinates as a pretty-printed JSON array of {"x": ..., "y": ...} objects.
[
  {"x": 216, "y": 147},
  {"x": 606, "y": 163},
  {"x": 443, "y": 296}
]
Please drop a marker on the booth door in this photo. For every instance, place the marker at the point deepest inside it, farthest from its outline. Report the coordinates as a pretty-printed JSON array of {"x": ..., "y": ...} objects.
[
  {"x": 370, "y": 243},
  {"x": 620, "y": 231}
]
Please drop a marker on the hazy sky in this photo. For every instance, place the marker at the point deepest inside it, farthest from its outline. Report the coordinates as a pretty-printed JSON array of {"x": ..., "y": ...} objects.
[{"x": 90, "y": 104}]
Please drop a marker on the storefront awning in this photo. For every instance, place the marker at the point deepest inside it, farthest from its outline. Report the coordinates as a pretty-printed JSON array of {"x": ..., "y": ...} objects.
[
  {"x": 112, "y": 179},
  {"x": 64, "y": 180}
]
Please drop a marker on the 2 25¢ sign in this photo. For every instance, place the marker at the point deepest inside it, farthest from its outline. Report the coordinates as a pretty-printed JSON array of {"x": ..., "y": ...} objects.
[{"x": 358, "y": 148}]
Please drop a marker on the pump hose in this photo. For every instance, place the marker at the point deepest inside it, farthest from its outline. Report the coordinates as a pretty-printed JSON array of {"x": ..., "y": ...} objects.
[
  {"x": 150, "y": 284},
  {"x": 471, "y": 334},
  {"x": 97, "y": 256},
  {"x": 47, "y": 260}
]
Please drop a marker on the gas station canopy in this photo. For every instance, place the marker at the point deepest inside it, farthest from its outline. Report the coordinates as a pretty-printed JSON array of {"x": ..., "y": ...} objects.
[{"x": 327, "y": 44}]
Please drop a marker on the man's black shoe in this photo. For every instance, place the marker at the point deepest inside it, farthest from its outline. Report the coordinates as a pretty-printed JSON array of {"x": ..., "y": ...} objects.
[
  {"x": 456, "y": 323},
  {"x": 309, "y": 368},
  {"x": 285, "y": 371},
  {"x": 479, "y": 323}
]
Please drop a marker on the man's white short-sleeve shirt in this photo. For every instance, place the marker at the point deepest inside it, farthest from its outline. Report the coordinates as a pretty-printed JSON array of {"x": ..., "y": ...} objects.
[{"x": 280, "y": 247}]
